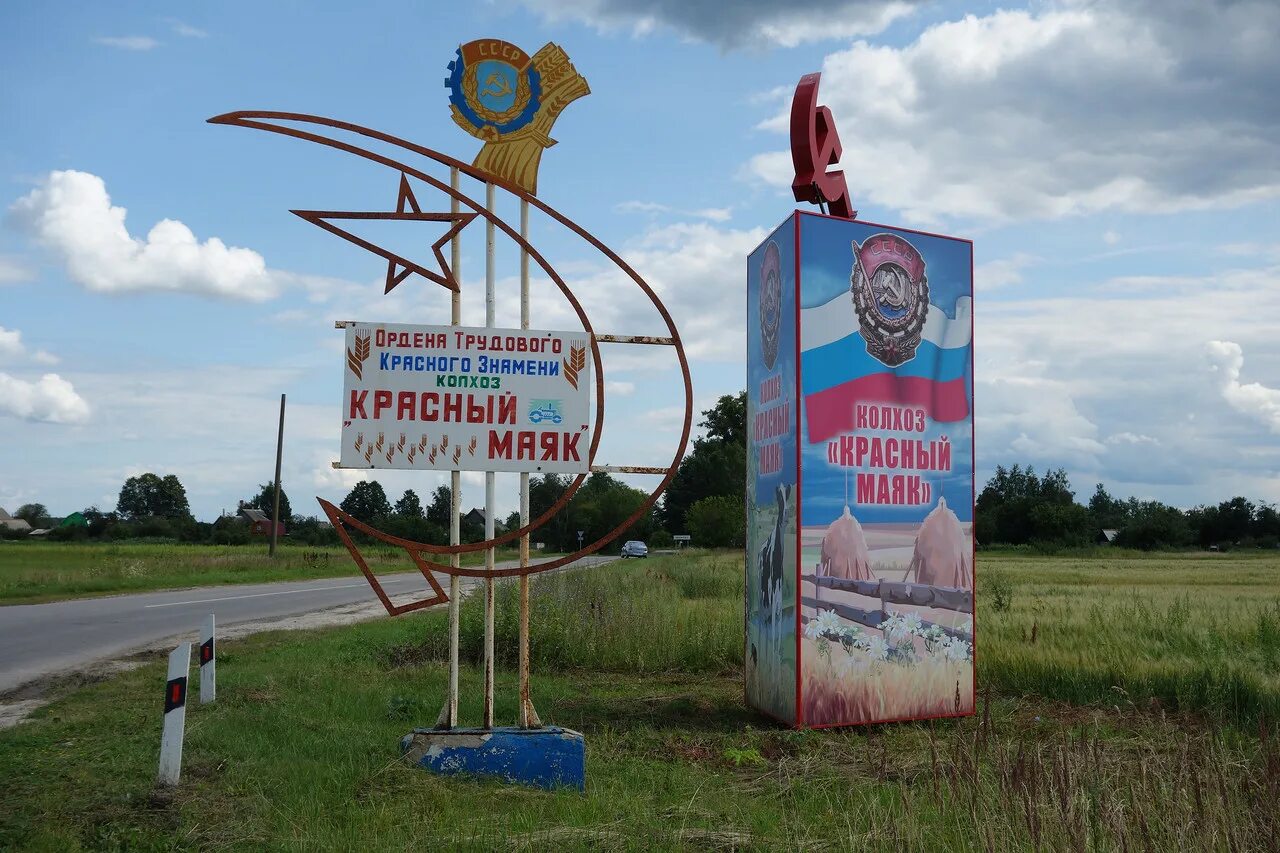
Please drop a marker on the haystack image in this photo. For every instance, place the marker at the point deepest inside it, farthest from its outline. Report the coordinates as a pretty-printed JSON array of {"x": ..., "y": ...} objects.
[{"x": 887, "y": 612}]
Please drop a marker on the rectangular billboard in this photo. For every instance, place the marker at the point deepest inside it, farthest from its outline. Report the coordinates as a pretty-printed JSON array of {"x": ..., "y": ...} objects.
[
  {"x": 442, "y": 398},
  {"x": 884, "y": 548}
]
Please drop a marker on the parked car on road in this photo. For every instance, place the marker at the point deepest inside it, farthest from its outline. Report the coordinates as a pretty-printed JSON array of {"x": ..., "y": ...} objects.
[{"x": 635, "y": 548}]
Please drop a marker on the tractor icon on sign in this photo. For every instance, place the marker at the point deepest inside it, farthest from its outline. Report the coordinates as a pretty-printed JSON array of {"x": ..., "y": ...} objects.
[{"x": 545, "y": 410}]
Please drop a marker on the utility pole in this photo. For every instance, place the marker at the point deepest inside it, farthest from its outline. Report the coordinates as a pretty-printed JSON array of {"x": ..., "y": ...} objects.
[{"x": 275, "y": 511}]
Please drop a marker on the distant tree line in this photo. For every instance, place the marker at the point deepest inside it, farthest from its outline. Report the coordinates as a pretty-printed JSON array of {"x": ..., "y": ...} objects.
[
  {"x": 1019, "y": 507},
  {"x": 704, "y": 499}
]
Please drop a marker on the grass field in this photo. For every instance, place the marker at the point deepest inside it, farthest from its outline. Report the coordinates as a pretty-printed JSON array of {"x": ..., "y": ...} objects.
[
  {"x": 32, "y": 572},
  {"x": 299, "y": 753},
  {"x": 1198, "y": 632}
]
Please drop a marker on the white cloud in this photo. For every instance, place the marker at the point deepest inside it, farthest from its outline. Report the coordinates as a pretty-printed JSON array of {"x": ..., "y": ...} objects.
[
  {"x": 1111, "y": 237},
  {"x": 697, "y": 271},
  {"x": 13, "y": 271},
  {"x": 1253, "y": 399},
  {"x": 128, "y": 42},
  {"x": 742, "y": 23},
  {"x": 622, "y": 389},
  {"x": 71, "y": 214},
  {"x": 993, "y": 275},
  {"x": 186, "y": 30},
  {"x": 1131, "y": 438},
  {"x": 1066, "y": 109},
  {"x": 640, "y": 207},
  {"x": 13, "y": 349},
  {"x": 715, "y": 214},
  {"x": 1110, "y": 381},
  {"x": 52, "y": 399},
  {"x": 1038, "y": 419}
]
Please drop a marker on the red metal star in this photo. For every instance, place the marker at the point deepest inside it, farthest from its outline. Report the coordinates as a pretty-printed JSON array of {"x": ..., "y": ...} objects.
[{"x": 398, "y": 268}]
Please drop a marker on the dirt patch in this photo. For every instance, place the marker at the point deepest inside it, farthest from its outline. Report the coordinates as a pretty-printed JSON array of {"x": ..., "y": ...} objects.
[
  {"x": 12, "y": 713},
  {"x": 17, "y": 705}
]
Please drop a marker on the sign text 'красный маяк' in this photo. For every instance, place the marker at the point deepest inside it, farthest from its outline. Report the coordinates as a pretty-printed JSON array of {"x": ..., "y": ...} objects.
[{"x": 440, "y": 398}]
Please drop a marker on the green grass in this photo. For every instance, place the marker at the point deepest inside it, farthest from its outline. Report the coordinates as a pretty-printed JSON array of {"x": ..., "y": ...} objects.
[
  {"x": 1187, "y": 632},
  {"x": 644, "y": 657},
  {"x": 32, "y": 572}
]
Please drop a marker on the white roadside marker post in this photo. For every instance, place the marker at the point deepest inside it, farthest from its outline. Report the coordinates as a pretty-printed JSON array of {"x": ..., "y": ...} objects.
[
  {"x": 208, "y": 663},
  {"x": 175, "y": 715}
]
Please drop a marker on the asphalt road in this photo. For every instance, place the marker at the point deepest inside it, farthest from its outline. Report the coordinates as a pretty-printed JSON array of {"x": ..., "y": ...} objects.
[{"x": 37, "y": 640}]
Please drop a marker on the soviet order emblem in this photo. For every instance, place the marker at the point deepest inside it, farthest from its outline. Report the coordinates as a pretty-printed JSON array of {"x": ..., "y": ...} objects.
[
  {"x": 509, "y": 100},
  {"x": 891, "y": 296},
  {"x": 770, "y": 304}
]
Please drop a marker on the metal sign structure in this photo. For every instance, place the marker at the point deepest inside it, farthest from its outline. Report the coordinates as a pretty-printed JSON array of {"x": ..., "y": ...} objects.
[{"x": 509, "y": 100}]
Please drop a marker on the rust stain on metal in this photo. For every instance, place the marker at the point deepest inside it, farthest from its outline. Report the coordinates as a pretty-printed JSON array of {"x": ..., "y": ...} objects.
[
  {"x": 628, "y": 469},
  {"x": 636, "y": 339}
]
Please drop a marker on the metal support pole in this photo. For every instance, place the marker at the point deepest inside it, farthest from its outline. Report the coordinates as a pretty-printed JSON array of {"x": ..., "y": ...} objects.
[
  {"x": 449, "y": 714},
  {"x": 275, "y": 510},
  {"x": 490, "y": 277},
  {"x": 527, "y": 716}
]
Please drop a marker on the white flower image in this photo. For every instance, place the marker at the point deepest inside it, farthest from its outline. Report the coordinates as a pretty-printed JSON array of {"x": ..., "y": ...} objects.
[
  {"x": 955, "y": 650},
  {"x": 828, "y": 622},
  {"x": 900, "y": 628},
  {"x": 912, "y": 621},
  {"x": 878, "y": 649}
]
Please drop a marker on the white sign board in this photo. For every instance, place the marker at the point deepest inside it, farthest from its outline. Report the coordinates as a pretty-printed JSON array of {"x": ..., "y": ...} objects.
[{"x": 444, "y": 398}]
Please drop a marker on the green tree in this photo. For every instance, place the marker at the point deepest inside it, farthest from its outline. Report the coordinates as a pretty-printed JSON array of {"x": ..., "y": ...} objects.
[
  {"x": 409, "y": 506},
  {"x": 1151, "y": 524},
  {"x": 596, "y": 509},
  {"x": 150, "y": 496},
  {"x": 439, "y": 510},
  {"x": 367, "y": 502},
  {"x": 1266, "y": 524},
  {"x": 265, "y": 501},
  {"x": 726, "y": 421},
  {"x": 716, "y": 466},
  {"x": 718, "y": 522},
  {"x": 1016, "y": 506},
  {"x": 1106, "y": 511},
  {"x": 98, "y": 520},
  {"x": 544, "y": 491},
  {"x": 33, "y": 514}
]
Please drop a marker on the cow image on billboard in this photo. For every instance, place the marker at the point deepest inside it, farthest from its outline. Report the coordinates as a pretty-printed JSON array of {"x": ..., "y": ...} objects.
[
  {"x": 445, "y": 398},
  {"x": 884, "y": 545}
]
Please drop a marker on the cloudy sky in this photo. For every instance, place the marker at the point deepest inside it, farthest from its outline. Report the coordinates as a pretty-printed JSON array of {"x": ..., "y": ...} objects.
[{"x": 1116, "y": 163}]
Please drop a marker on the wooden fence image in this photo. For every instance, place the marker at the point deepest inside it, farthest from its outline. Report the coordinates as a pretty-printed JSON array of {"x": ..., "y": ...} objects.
[{"x": 914, "y": 595}]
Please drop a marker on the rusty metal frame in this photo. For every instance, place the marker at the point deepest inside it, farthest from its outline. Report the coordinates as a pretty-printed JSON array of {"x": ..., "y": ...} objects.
[{"x": 261, "y": 120}]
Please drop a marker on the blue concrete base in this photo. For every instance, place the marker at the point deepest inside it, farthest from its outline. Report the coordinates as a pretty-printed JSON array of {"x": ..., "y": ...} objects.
[{"x": 549, "y": 757}]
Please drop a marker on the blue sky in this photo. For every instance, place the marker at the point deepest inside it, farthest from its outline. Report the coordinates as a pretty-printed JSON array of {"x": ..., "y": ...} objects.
[{"x": 1117, "y": 165}]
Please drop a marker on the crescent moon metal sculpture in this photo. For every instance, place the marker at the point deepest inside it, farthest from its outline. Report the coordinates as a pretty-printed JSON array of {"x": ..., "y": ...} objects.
[{"x": 311, "y": 129}]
